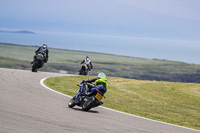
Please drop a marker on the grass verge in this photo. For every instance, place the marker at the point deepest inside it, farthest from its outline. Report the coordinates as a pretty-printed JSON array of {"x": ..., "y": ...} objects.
[{"x": 176, "y": 103}]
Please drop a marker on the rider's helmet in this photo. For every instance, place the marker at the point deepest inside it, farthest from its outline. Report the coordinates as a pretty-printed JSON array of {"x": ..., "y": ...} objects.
[
  {"x": 87, "y": 58},
  {"x": 102, "y": 80},
  {"x": 44, "y": 45}
]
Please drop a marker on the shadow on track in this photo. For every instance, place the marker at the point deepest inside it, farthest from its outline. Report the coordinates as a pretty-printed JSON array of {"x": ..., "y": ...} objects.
[{"x": 90, "y": 111}]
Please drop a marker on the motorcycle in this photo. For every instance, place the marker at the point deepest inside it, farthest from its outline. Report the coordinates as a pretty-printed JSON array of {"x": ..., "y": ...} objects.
[
  {"x": 84, "y": 69},
  {"x": 38, "y": 62},
  {"x": 87, "y": 101}
]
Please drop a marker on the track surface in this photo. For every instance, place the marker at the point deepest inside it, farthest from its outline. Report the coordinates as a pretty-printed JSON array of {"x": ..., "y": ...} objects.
[{"x": 27, "y": 107}]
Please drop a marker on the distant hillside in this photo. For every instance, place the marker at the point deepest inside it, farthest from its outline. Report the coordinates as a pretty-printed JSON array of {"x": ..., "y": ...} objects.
[
  {"x": 18, "y": 56},
  {"x": 20, "y": 31}
]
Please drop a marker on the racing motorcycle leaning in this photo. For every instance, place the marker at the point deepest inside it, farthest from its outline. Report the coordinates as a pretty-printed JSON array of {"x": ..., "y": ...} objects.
[
  {"x": 86, "y": 100},
  {"x": 40, "y": 58}
]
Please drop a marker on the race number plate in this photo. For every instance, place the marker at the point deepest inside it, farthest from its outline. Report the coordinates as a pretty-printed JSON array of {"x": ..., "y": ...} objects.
[{"x": 98, "y": 96}]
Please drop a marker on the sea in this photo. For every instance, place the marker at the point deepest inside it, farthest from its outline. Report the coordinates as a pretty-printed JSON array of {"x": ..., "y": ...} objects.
[{"x": 151, "y": 48}]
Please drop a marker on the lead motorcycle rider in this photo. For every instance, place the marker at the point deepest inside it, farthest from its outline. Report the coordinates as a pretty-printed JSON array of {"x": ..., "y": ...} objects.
[
  {"x": 100, "y": 83},
  {"x": 44, "y": 51}
]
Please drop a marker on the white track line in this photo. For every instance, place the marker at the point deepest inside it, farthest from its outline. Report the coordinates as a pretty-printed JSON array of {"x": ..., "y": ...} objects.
[{"x": 42, "y": 83}]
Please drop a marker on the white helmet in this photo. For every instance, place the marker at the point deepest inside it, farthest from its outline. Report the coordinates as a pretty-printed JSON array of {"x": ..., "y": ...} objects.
[
  {"x": 87, "y": 58},
  {"x": 44, "y": 45},
  {"x": 101, "y": 75}
]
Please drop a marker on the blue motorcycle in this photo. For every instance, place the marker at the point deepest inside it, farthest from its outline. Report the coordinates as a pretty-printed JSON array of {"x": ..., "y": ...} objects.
[{"x": 87, "y": 98}]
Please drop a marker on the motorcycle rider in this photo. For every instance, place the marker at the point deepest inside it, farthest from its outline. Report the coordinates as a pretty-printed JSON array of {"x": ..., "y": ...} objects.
[
  {"x": 44, "y": 51},
  {"x": 88, "y": 62},
  {"x": 100, "y": 83}
]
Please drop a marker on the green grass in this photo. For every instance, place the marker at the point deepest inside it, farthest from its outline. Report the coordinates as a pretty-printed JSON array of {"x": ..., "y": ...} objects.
[
  {"x": 16, "y": 64},
  {"x": 176, "y": 103}
]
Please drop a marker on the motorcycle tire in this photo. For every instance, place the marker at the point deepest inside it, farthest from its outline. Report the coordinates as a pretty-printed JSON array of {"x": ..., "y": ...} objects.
[
  {"x": 34, "y": 66},
  {"x": 71, "y": 103},
  {"x": 86, "y": 72},
  {"x": 80, "y": 72},
  {"x": 88, "y": 104}
]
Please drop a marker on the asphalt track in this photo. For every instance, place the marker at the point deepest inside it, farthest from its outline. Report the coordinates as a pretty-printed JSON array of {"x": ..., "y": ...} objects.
[{"x": 28, "y": 107}]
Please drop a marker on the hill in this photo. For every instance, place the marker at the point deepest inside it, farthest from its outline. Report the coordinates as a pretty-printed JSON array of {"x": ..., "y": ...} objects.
[{"x": 19, "y": 56}]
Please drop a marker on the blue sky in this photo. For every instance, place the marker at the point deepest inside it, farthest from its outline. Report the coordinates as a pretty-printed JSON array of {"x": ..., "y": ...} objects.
[
  {"x": 156, "y": 22},
  {"x": 175, "y": 19}
]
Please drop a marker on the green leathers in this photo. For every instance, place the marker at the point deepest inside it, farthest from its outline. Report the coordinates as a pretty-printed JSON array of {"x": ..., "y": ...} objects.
[{"x": 102, "y": 80}]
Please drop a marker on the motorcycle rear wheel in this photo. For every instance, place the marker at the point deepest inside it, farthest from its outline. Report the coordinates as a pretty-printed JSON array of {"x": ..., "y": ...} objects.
[{"x": 88, "y": 104}]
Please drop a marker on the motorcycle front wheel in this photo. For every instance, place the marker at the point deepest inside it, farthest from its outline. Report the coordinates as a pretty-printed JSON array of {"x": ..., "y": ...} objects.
[
  {"x": 71, "y": 103},
  {"x": 34, "y": 66}
]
